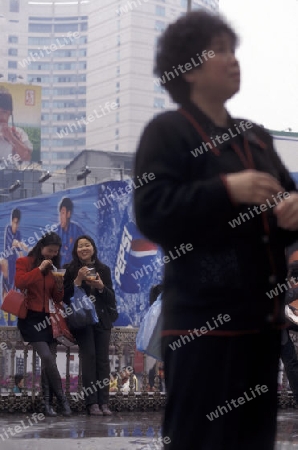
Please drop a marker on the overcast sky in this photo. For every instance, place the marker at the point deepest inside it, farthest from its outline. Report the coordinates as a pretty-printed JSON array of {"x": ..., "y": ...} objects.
[{"x": 268, "y": 56}]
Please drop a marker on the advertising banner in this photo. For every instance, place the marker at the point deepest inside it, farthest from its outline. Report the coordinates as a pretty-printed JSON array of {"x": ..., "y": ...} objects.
[
  {"x": 104, "y": 212},
  {"x": 20, "y": 122}
]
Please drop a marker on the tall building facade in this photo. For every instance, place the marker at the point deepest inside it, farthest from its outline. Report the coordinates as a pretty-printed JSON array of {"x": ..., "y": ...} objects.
[
  {"x": 122, "y": 41},
  {"x": 94, "y": 61},
  {"x": 45, "y": 42}
]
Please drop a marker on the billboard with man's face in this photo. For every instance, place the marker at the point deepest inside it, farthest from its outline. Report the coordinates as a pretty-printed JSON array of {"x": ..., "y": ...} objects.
[
  {"x": 102, "y": 211},
  {"x": 20, "y": 120}
]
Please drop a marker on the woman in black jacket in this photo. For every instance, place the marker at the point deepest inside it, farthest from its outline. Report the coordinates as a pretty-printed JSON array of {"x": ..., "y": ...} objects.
[
  {"x": 217, "y": 198},
  {"x": 93, "y": 340}
]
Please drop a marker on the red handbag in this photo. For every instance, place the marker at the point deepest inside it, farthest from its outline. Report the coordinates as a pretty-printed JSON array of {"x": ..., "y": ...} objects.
[
  {"x": 59, "y": 326},
  {"x": 15, "y": 303}
]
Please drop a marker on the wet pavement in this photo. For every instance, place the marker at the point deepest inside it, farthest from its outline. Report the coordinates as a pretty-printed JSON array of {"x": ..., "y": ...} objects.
[{"x": 122, "y": 431}]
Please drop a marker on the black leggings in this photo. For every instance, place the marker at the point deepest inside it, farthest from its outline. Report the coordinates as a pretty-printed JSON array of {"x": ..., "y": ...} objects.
[{"x": 46, "y": 352}]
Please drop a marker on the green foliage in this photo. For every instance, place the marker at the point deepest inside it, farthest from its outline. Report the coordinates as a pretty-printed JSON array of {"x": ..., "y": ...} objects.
[{"x": 35, "y": 138}]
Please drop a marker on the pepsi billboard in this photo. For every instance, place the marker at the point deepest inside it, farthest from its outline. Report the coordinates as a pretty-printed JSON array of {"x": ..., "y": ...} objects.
[{"x": 104, "y": 214}]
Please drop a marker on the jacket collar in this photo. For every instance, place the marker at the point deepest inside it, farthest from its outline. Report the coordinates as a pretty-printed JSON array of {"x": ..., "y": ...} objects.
[{"x": 211, "y": 129}]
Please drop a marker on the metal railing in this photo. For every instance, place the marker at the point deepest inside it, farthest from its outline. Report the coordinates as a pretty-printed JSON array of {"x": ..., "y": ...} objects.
[{"x": 122, "y": 350}]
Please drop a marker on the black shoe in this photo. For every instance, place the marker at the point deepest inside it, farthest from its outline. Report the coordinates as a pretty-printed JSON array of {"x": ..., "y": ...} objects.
[
  {"x": 93, "y": 410},
  {"x": 48, "y": 411},
  {"x": 66, "y": 411},
  {"x": 47, "y": 395},
  {"x": 106, "y": 411},
  {"x": 56, "y": 385}
]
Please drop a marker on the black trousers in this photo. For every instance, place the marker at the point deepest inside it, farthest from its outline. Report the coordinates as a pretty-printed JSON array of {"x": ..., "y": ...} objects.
[
  {"x": 221, "y": 392},
  {"x": 93, "y": 343}
]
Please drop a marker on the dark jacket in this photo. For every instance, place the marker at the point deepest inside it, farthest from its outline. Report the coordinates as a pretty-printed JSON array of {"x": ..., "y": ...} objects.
[
  {"x": 105, "y": 304},
  {"x": 230, "y": 268},
  {"x": 40, "y": 288}
]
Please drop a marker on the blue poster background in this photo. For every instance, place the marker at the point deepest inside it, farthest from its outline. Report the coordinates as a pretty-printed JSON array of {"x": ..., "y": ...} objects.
[{"x": 103, "y": 211}]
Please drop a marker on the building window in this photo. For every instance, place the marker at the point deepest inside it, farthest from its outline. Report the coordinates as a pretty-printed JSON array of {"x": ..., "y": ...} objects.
[
  {"x": 61, "y": 28},
  {"x": 117, "y": 117},
  {"x": 12, "y": 65},
  {"x": 64, "y": 104},
  {"x": 160, "y": 10},
  {"x": 45, "y": 130},
  {"x": 40, "y": 18},
  {"x": 66, "y": 66},
  {"x": 39, "y": 79},
  {"x": 117, "y": 87},
  {"x": 159, "y": 89},
  {"x": 160, "y": 25},
  {"x": 83, "y": 40},
  {"x": 84, "y": 26},
  {"x": 118, "y": 40},
  {"x": 159, "y": 103},
  {"x": 64, "y": 91},
  {"x": 14, "y": 6},
  {"x": 40, "y": 66},
  {"x": 69, "y": 79},
  {"x": 39, "y": 28},
  {"x": 13, "y": 39},
  {"x": 11, "y": 77},
  {"x": 13, "y": 52},
  {"x": 118, "y": 71},
  {"x": 56, "y": 66},
  {"x": 39, "y": 41},
  {"x": 117, "y": 133}
]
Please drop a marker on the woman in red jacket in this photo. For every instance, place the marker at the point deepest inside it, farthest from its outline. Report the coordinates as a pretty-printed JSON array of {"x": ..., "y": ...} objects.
[{"x": 34, "y": 276}]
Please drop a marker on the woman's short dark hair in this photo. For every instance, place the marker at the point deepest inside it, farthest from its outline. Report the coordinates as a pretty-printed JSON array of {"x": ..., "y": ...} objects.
[
  {"x": 50, "y": 238},
  {"x": 184, "y": 39}
]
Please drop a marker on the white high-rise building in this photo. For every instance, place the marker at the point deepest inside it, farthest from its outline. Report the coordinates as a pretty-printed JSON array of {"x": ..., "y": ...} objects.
[
  {"x": 122, "y": 41},
  {"x": 94, "y": 61},
  {"x": 45, "y": 42}
]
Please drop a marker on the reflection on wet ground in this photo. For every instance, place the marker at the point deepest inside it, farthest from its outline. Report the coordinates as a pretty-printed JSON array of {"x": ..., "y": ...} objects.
[
  {"x": 82, "y": 426},
  {"x": 287, "y": 430},
  {"x": 127, "y": 430}
]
